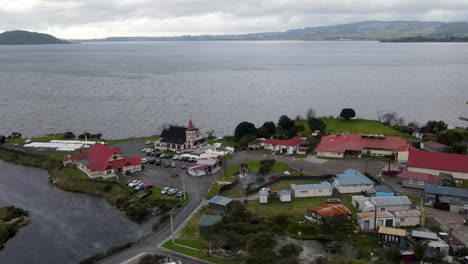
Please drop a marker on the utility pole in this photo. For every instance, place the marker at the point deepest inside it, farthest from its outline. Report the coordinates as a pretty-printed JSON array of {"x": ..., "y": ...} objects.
[
  {"x": 172, "y": 228},
  {"x": 225, "y": 164},
  {"x": 183, "y": 183}
]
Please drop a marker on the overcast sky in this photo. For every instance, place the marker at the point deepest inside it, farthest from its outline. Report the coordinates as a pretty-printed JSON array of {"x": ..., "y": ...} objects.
[{"x": 104, "y": 18}]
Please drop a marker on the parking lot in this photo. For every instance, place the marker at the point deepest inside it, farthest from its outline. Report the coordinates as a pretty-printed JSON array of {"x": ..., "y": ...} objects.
[{"x": 196, "y": 187}]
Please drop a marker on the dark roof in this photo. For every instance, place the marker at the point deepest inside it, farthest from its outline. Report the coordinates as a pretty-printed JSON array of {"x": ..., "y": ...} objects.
[
  {"x": 200, "y": 141},
  {"x": 383, "y": 188},
  {"x": 449, "y": 191},
  {"x": 174, "y": 135},
  {"x": 220, "y": 200}
]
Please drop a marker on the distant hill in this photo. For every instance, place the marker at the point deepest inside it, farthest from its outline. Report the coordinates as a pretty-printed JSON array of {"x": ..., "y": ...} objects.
[
  {"x": 19, "y": 37},
  {"x": 366, "y": 30}
]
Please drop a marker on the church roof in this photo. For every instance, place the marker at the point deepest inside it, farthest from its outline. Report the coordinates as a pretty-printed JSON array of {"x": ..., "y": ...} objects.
[
  {"x": 190, "y": 126},
  {"x": 174, "y": 135}
]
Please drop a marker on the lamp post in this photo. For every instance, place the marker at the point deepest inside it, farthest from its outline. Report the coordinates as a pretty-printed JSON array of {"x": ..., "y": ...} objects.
[{"x": 172, "y": 227}]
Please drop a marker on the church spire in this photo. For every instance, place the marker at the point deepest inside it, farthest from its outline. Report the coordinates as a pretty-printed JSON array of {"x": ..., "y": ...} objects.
[{"x": 190, "y": 126}]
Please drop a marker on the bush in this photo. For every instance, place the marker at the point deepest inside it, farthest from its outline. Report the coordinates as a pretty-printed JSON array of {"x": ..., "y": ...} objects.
[
  {"x": 156, "y": 226},
  {"x": 164, "y": 217}
]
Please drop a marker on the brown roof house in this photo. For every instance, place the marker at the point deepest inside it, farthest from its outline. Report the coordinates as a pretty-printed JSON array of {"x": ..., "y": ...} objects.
[{"x": 328, "y": 213}]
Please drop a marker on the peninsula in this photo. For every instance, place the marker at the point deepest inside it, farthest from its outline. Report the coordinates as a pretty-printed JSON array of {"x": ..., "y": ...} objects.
[{"x": 20, "y": 37}]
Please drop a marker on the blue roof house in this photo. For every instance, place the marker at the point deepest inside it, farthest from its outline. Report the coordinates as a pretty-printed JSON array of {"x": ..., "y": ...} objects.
[
  {"x": 352, "y": 181},
  {"x": 312, "y": 190}
]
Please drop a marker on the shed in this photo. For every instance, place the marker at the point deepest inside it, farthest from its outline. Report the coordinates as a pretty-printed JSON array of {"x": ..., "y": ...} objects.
[
  {"x": 392, "y": 235},
  {"x": 206, "y": 223},
  {"x": 383, "y": 190},
  {"x": 312, "y": 190},
  {"x": 285, "y": 196},
  {"x": 220, "y": 203},
  {"x": 263, "y": 197}
]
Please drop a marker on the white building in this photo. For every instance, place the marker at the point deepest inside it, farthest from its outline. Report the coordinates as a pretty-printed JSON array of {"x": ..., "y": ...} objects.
[
  {"x": 285, "y": 196},
  {"x": 352, "y": 181},
  {"x": 367, "y": 220},
  {"x": 312, "y": 190},
  {"x": 391, "y": 203},
  {"x": 263, "y": 197},
  {"x": 407, "y": 217},
  {"x": 288, "y": 147},
  {"x": 204, "y": 166}
]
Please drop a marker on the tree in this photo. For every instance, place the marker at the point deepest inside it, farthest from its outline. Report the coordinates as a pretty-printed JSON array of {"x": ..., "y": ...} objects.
[
  {"x": 434, "y": 126},
  {"x": 347, "y": 113},
  {"x": 266, "y": 166},
  {"x": 260, "y": 248},
  {"x": 244, "y": 128},
  {"x": 267, "y": 130},
  {"x": 420, "y": 248},
  {"x": 450, "y": 137},
  {"x": 211, "y": 134},
  {"x": 15, "y": 135},
  {"x": 285, "y": 122},
  {"x": 458, "y": 148},
  {"x": 390, "y": 118},
  {"x": 311, "y": 113},
  {"x": 316, "y": 124},
  {"x": 84, "y": 135},
  {"x": 68, "y": 135},
  {"x": 389, "y": 254}
]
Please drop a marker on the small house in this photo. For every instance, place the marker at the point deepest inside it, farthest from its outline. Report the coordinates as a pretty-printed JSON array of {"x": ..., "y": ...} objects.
[
  {"x": 255, "y": 144},
  {"x": 407, "y": 217},
  {"x": 288, "y": 147},
  {"x": 418, "y": 180},
  {"x": 285, "y": 196},
  {"x": 302, "y": 150},
  {"x": 206, "y": 223},
  {"x": 369, "y": 220},
  {"x": 362, "y": 203},
  {"x": 220, "y": 203},
  {"x": 204, "y": 166},
  {"x": 433, "y": 146},
  {"x": 435, "y": 245},
  {"x": 352, "y": 181},
  {"x": 392, "y": 235},
  {"x": 312, "y": 190},
  {"x": 392, "y": 203},
  {"x": 263, "y": 197},
  {"x": 328, "y": 213}
]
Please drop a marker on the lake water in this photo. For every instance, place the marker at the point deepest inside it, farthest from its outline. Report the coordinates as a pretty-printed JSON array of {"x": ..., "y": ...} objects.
[
  {"x": 65, "y": 227},
  {"x": 132, "y": 89}
]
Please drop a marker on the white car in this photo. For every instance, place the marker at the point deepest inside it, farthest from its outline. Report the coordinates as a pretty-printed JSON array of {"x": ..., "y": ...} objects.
[
  {"x": 134, "y": 183},
  {"x": 139, "y": 186},
  {"x": 144, "y": 160},
  {"x": 148, "y": 150},
  {"x": 148, "y": 143},
  {"x": 176, "y": 157},
  {"x": 164, "y": 191},
  {"x": 265, "y": 189},
  {"x": 144, "y": 149}
]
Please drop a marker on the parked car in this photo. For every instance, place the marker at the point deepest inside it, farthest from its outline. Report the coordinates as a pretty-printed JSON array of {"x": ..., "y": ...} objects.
[
  {"x": 151, "y": 154},
  {"x": 173, "y": 164},
  {"x": 183, "y": 166},
  {"x": 139, "y": 186},
  {"x": 148, "y": 143},
  {"x": 163, "y": 156},
  {"x": 157, "y": 154},
  {"x": 180, "y": 158},
  {"x": 265, "y": 189},
  {"x": 185, "y": 158},
  {"x": 134, "y": 183},
  {"x": 193, "y": 159},
  {"x": 169, "y": 156},
  {"x": 180, "y": 194},
  {"x": 144, "y": 150},
  {"x": 175, "y": 157},
  {"x": 151, "y": 161},
  {"x": 172, "y": 191},
  {"x": 147, "y": 186},
  {"x": 167, "y": 164},
  {"x": 164, "y": 190},
  {"x": 144, "y": 160},
  {"x": 157, "y": 162}
]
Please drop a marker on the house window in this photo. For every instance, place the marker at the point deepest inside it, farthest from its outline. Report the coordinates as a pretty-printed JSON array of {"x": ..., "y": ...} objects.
[
  {"x": 320, "y": 191},
  {"x": 402, "y": 219},
  {"x": 303, "y": 191},
  {"x": 382, "y": 209},
  {"x": 421, "y": 183},
  {"x": 410, "y": 181}
]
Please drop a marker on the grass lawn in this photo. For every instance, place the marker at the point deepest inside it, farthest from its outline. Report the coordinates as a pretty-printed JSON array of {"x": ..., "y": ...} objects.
[
  {"x": 75, "y": 174},
  {"x": 141, "y": 139},
  {"x": 236, "y": 192},
  {"x": 214, "y": 189},
  {"x": 361, "y": 126},
  {"x": 254, "y": 166},
  {"x": 37, "y": 139}
]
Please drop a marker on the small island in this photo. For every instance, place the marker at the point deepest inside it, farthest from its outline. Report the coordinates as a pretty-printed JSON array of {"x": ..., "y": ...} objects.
[
  {"x": 427, "y": 39},
  {"x": 11, "y": 220},
  {"x": 20, "y": 37}
]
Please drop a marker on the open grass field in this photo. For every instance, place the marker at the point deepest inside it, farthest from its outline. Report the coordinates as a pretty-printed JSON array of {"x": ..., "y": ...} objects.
[{"x": 361, "y": 126}]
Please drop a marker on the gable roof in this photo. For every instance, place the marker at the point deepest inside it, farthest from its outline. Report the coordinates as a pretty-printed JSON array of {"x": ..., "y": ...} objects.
[
  {"x": 391, "y": 200},
  {"x": 330, "y": 210},
  {"x": 352, "y": 177},
  {"x": 341, "y": 143},
  {"x": 221, "y": 200},
  {"x": 288, "y": 143},
  {"x": 305, "y": 187},
  {"x": 371, "y": 215},
  {"x": 174, "y": 135},
  {"x": 437, "y": 161},
  {"x": 412, "y": 175},
  {"x": 209, "y": 220},
  {"x": 449, "y": 191},
  {"x": 98, "y": 156}
]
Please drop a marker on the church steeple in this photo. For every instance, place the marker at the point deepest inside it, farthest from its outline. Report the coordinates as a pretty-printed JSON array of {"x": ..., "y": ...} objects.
[{"x": 190, "y": 126}]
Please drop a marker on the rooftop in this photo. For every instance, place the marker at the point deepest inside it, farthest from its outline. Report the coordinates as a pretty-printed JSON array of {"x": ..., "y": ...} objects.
[
  {"x": 221, "y": 200},
  {"x": 330, "y": 210},
  {"x": 280, "y": 142},
  {"x": 437, "y": 161},
  {"x": 407, "y": 213},
  {"x": 434, "y": 145},
  {"x": 284, "y": 192},
  {"x": 263, "y": 193},
  {"x": 383, "y": 188},
  {"x": 353, "y": 177},
  {"x": 209, "y": 220},
  {"x": 341, "y": 143},
  {"x": 392, "y": 231},
  {"x": 305, "y": 187},
  {"x": 391, "y": 200},
  {"x": 424, "y": 235},
  {"x": 449, "y": 191},
  {"x": 371, "y": 215},
  {"x": 420, "y": 176}
]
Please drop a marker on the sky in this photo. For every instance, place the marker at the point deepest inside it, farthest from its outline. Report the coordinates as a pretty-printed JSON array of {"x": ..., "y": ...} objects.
[{"x": 81, "y": 19}]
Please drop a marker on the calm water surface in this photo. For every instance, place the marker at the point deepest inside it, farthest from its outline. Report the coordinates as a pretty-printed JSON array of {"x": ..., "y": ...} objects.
[
  {"x": 130, "y": 89},
  {"x": 66, "y": 227}
]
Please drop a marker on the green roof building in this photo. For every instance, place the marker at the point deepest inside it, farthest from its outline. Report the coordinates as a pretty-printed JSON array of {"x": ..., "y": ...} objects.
[{"x": 205, "y": 226}]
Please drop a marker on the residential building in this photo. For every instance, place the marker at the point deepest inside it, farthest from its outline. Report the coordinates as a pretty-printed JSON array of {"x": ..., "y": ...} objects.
[
  {"x": 263, "y": 196},
  {"x": 352, "y": 145},
  {"x": 435, "y": 163},
  {"x": 284, "y": 196},
  {"x": 362, "y": 203},
  {"x": 312, "y": 190},
  {"x": 328, "y": 213},
  {"x": 220, "y": 203},
  {"x": 448, "y": 198},
  {"x": 256, "y": 144},
  {"x": 380, "y": 191},
  {"x": 206, "y": 224},
  {"x": 288, "y": 147},
  {"x": 433, "y": 146},
  {"x": 352, "y": 181},
  {"x": 367, "y": 220},
  {"x": 103, "y": 161},
  {"x": 435, "y": 244},
  {"x": 392, "y": 203},
  {"x": 302, "y": 150},
  {"x": 204, "y": 166},
  {"x": 418, "y": 180},
  {"x": 405, "y": 218},
  {"x": 392, "y": 235},
  {"x": 181, "y": 139}
]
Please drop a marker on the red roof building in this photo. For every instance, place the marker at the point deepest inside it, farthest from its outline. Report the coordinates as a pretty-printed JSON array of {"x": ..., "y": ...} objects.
[
  {"x": 326, "y": 212},
  {"x": 103, "y": 161},
  {"x": 418, "y": 176},
  {"x": 288, "y": 146},
  {"x": 436, "y": 163},
  {"x": 339, "y": 146}
]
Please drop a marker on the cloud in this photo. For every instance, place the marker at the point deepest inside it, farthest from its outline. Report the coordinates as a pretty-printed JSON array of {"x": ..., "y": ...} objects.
[{"x": 103, "y": 18}]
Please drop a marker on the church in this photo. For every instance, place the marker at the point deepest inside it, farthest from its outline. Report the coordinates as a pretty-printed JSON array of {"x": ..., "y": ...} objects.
[{"x": 182, "y": 139}]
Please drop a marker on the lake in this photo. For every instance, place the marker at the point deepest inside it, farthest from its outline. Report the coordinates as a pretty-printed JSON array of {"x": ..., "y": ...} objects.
[
  {"x": 134, "y": 88},
  {"x": 65, "y": 227}
]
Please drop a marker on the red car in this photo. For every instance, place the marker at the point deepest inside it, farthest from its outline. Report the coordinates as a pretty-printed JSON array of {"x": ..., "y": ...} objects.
[{"x": 147, "y": 186}]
